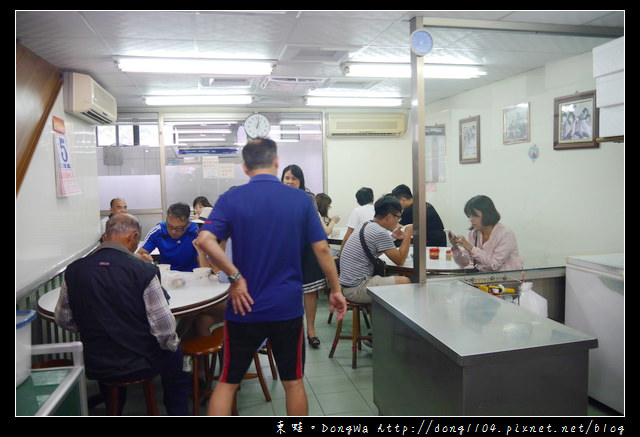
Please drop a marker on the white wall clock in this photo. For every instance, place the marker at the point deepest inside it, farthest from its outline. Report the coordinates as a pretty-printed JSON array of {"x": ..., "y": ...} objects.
[{"x": 257, "y": 126}]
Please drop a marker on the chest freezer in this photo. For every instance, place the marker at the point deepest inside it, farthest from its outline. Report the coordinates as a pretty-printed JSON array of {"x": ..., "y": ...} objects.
[{"x": 594, "y": 304}]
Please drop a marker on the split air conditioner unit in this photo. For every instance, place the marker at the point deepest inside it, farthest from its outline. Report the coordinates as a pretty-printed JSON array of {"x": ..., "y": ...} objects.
[
  {"x": 86, "y": 99},
  {"x": 366, "y": 124}
]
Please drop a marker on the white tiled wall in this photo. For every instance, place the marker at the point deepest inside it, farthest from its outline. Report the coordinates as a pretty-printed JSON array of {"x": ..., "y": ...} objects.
[{"x": 137, "y": 160}]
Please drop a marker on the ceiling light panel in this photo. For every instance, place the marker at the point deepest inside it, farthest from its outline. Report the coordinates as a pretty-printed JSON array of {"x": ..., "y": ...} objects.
[
  {"x": 353, "y": 101},
  {"x": 433, "y": 71},
  {"x": 197, "y": 100},
  {"x": 196, "y": 66}
]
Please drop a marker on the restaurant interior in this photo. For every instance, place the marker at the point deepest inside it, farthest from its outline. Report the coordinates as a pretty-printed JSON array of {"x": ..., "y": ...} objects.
[{"x": 563, "y": 199}]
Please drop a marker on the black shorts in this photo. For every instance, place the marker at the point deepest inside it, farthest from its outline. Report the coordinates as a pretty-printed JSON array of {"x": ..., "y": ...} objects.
[{"x": 242, "y": 340}]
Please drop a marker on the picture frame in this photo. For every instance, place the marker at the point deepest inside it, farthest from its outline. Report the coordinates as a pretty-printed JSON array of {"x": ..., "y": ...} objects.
[
  {"x": 575, "y": 121},
  {"x": 469, "y": 131},
  {"x": 516, "y": 124}
]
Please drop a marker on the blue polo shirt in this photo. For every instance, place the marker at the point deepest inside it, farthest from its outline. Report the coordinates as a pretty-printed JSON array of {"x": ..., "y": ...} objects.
[
  {"x": 269, "y": 224},
  {"x": 179, "y": 252}
]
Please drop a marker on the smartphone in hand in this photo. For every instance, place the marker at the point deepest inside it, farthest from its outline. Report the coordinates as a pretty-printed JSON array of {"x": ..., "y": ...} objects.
[{"x": 452, "y": 237}]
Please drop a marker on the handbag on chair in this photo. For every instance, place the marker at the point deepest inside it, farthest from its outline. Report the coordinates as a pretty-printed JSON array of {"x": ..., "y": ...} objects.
[{"x": 379, "y": 266}]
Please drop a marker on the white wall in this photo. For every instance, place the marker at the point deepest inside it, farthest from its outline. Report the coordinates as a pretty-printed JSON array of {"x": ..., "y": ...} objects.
[
  {"x": 378, "y": 163},
  {"x": 566, "y": 202},
  {"x": 51, "y": 229}
]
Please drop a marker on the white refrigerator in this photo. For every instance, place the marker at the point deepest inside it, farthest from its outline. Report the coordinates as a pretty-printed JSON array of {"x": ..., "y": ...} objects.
[{"x": 594, "y": 304}]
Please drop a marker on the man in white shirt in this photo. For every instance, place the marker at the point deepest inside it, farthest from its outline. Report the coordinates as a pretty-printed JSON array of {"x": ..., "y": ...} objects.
[{"x": 361, "y": 213}]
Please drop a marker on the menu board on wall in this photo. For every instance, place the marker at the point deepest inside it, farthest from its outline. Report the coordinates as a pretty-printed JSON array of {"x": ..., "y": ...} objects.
[{"x": 434, "y": 153}]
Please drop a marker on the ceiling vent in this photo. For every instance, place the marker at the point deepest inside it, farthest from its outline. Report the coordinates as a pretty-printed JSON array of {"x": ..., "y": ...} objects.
[
  {"x": 291, "y": 84},
  {"x": 86, "y": 99},
  {"x": 366, "y": 124}
]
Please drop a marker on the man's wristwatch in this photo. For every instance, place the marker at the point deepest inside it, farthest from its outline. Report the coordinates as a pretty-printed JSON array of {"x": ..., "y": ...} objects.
[{"x": 234, "y": 278}]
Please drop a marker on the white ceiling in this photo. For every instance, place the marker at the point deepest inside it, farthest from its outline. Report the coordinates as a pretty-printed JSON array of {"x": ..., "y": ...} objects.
[{"x": 308, "y": 47}]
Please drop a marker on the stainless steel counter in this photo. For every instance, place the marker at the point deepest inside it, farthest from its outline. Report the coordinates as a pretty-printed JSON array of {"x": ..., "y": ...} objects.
[{"x": 447, "y": 348}]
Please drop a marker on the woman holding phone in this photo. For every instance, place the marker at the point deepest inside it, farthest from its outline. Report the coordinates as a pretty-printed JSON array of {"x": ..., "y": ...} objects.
[{"x": 490, "y": 245}]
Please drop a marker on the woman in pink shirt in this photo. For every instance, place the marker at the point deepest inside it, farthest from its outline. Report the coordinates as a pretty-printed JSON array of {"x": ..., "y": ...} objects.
[{"x": 490, "y": 246}]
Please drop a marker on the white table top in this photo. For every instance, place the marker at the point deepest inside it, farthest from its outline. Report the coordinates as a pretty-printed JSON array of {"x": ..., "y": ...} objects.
[
  {"x": 192, "y": 297},
  {"x": 442, "y": 264},
  {"x": 337, "y": 235}
]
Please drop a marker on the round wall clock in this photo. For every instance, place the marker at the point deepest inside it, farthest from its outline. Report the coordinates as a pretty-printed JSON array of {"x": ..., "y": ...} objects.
[
  {"x": 257, "y": 126},
  {"x": 421, "y": 42}
]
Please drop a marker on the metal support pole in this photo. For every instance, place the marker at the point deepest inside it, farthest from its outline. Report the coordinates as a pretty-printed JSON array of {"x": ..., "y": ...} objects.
[{"x": 418, "y": 144}]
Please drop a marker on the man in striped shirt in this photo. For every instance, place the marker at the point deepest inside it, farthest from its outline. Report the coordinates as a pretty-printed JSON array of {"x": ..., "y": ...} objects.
[{"x": 356, "y": 270}]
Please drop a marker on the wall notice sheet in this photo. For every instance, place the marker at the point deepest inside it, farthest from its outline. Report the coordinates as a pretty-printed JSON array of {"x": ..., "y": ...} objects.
[{"x": 66, "y": 183}]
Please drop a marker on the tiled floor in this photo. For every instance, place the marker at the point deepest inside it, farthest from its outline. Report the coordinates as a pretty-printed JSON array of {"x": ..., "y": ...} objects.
[{"x": 333, "y": 387}]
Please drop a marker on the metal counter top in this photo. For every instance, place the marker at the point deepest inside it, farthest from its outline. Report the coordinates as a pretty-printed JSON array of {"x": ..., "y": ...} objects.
[{"x": 472, "y": 327}]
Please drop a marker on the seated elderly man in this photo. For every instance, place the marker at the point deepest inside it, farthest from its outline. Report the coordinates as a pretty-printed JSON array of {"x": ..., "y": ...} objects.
[{"x": 116, "y": 303}]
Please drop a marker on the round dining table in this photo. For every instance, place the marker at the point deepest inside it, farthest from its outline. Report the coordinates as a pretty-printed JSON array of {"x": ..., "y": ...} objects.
[{"x": 188, "y": 295}]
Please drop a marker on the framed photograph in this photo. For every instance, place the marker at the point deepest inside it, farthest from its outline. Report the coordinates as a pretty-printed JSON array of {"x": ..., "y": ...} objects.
[
  {"x": 575, "y": 121},
  {"x": 470, "y": 140},
  {"x": 515, "y": 124}
]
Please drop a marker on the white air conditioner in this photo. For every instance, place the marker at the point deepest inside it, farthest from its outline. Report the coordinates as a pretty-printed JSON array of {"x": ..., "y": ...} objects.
[
  {"x": 85, "y": 98},
  {"x": 366, "y": 124}
]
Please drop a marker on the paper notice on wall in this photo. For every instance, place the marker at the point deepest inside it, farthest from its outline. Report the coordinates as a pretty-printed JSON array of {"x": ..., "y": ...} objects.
[
  {"x": 227, "y": 171},
  {"x": 435, "y": 154},
  {"x": 66, "y": 183},
  {"x": 210, "y": 167}
]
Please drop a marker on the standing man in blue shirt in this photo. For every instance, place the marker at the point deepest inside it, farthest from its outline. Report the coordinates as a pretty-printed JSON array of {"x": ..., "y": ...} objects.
[{"x": 269, "y": 224}]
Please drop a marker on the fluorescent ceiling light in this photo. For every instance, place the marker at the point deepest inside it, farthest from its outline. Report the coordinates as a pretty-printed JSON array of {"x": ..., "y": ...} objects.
[
  {"x": 196, "y": 140},
  {"x": 196, "y": 66},
  {"x": 430, "y": 71},
  {"x": 298, "y": 122},
  {"x": 201, "y": 131},
  {"x": 352, "y": 101},
  {"x": 198, "y": 100}
]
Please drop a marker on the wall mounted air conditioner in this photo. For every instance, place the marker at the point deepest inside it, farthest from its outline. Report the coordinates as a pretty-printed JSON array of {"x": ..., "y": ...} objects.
[
  {"x": 86, "y": 99},
  {"x": 366, "y": 124}
]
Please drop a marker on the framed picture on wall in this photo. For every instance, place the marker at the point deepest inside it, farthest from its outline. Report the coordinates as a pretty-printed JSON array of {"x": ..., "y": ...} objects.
[
  {"x": 575, "y": 121},
  {"x": 515, "y": 124},
  {"x": 470, "y": 140}
]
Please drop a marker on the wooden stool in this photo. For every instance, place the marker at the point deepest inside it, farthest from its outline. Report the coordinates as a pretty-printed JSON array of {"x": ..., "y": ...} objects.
[
  {"x": 266, "y": 350},
  {"x": 149, "y": 394},
  {"x": 356, "y": 336},
  {"x": 212, "y": 345},
  {"x": 365, "y": 315},
  {"x": 203, "y": 347},
  {"x": 258, "y": 374}
]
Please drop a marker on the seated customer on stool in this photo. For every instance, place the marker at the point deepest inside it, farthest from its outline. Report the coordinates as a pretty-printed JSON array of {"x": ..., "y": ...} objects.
[
  {"x": 174, "y": 239},
  {"x": 356, "y": 270},
  {"x": 361, "y": 213},
  {"x": 116, "y": 303},
  {"x": 434, "y": 226},
  {"x": 490, "y": 245}
]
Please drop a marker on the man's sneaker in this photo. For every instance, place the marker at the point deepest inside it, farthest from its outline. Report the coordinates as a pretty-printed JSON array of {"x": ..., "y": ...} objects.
[{"x": 186, "y": 364}]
